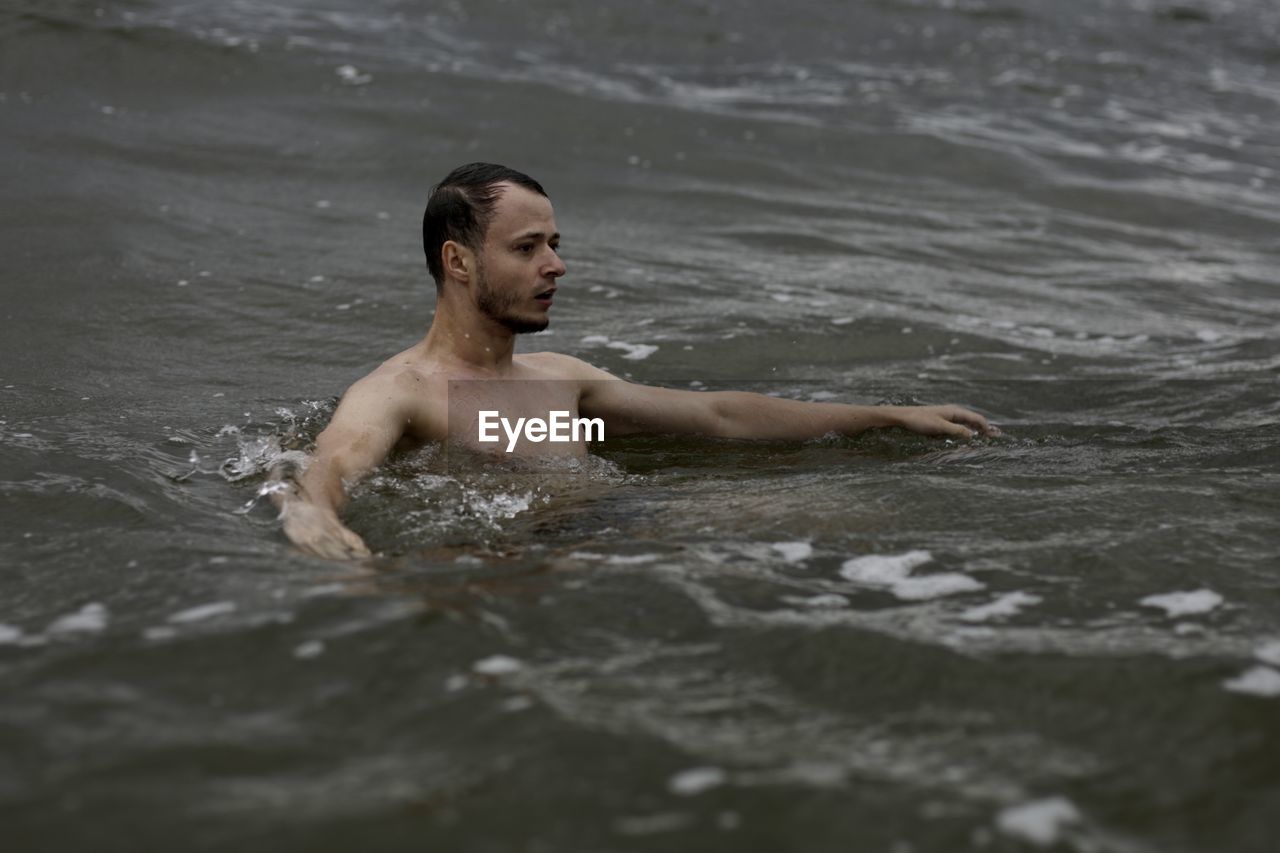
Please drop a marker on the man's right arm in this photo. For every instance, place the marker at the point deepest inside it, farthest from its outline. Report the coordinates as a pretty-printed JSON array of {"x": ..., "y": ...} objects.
[{"x": 369, "y": 421}]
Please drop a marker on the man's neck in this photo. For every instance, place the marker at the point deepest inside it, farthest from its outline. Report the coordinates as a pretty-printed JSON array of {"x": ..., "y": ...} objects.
[{"x": 469, "y": 341}]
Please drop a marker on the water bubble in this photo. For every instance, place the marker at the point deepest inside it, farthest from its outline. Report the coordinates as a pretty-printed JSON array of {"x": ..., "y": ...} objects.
[
  {"x": 688, "y": 783},
  {"x": 351, "y": 76}
]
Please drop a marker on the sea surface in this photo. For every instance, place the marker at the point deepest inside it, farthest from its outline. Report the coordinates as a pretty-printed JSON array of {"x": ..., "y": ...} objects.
[{"x": 1062, "y": 214}]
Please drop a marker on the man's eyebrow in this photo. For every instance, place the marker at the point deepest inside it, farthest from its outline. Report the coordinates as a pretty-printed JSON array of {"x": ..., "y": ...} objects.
[{"x": 536, "y": 235}]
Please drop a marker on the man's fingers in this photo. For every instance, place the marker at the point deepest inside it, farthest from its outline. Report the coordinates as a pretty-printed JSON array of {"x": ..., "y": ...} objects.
[
  {"x": 950, "y": 421},
  {"x": 335, "y": 546},
  {"x": 973, "y": 420},
  {"x": 316, "y": 548},
  {"x": 345, "y": 546},
  {"x": 329, "y": 549},
  {"x": 322, "y": 534},
  {"x": 355, "y": 545},
  {"x": 352, "y": 541}
]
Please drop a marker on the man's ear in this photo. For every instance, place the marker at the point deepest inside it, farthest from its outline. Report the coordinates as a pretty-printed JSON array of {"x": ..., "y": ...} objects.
[{"x": 459, "y": 262}]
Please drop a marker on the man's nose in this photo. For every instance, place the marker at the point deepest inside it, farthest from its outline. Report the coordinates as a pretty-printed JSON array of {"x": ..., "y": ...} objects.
[{"x": 556, "y": 267}]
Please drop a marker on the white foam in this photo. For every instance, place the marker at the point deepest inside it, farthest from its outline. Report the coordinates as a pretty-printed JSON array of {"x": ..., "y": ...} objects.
[
  {"x": 88, "y": 619},
  {"x": 204, "y": 611},
  {"x": 323, "y": 589},
  {"x": 1006, "y": 605},
  {"x": 497, "y": 665},
  {"x": 500, "y": 505},
  {"x": 9, "y": 634},
  {"x": 695, "y": 780},
  {"x": 351, "y": 76},
  {"x": 818, "y": 602},
  {"x": 1039, "y": 822},
  {"x": 935, "y": 586},
  {"x": 1184, "y": 603},
  {"x": 655, "y": 824},
  {"x": 631, "y": 559},
  {"x": 1268, "y": 652},
  {"x": 615, "y": 559},
  {"x": 515, "y": 704},
  {"x": 793, "y": 552},
  {"x": 309, "y": 649},
  {"x": 633, "y": 352},
  {"x": 894, "y": 573},
  {"x": 1256, "y": 681},
  {"x": 881, "y": 570}
]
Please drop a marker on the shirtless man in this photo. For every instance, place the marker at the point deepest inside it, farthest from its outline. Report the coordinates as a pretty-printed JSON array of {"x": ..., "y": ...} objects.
[{"x": 491, "y": 243}]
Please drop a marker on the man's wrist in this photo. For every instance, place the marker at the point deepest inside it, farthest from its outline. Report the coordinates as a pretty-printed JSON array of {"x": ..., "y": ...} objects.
[
  {"x": 881, "y": 417},
  {"x": 295, "y": 497},
  {"x": 281, "y": 492}
]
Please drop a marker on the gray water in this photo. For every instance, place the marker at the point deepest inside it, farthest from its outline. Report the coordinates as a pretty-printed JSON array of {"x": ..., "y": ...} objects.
[{"x": 1061, "y": 214}]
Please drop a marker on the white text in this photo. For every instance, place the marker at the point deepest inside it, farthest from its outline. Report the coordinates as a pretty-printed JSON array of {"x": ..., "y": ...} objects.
[{"x": 558, "y": 427}]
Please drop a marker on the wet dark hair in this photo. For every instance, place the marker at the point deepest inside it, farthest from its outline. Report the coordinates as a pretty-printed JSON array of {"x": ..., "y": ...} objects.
[{"x": 461, "y": 207}]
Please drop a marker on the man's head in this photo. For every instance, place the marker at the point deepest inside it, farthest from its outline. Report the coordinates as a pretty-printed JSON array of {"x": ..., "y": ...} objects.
[
  {"x": 461, "y": 207},
  {"x": 506, "y": 272}
]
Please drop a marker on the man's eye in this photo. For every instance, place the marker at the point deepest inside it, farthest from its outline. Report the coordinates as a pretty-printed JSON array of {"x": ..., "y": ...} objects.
[{"x": 525, "y": 249}]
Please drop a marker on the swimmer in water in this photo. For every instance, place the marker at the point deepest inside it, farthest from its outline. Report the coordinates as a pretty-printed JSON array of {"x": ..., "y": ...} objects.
[{"x": 491, "y": 242}]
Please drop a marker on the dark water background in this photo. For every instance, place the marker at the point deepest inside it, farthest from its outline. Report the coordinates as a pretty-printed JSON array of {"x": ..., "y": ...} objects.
[{"x": 1062, "y": 214}]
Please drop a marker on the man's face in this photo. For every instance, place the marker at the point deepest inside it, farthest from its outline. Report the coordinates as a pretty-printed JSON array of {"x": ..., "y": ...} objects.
[{"x": 517, "y": 268}]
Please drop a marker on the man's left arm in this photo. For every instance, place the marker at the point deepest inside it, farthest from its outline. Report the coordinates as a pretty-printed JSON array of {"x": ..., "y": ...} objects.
[{"x": 627, "y": 407}]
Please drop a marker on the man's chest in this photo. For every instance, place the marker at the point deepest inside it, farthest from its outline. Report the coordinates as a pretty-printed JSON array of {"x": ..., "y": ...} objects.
[{"x": 524, "y": 417}]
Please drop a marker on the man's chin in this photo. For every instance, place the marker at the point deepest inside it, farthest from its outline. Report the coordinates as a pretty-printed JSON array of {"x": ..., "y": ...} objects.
[{"x": 526, "y": 325}]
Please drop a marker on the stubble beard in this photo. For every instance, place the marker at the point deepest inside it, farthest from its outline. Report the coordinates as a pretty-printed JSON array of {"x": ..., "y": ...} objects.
[{"x": 498, "y": 307}]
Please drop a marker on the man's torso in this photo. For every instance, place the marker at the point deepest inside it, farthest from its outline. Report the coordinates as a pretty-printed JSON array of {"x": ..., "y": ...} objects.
[{"x": 444, "y": 403}]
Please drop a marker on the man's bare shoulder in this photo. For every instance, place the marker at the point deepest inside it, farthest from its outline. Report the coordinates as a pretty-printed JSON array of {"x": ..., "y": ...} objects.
[
  {"x": 399, "y": 376},
  {"x": 560, "y": 366},
  {"x": 403, "y": 391}
]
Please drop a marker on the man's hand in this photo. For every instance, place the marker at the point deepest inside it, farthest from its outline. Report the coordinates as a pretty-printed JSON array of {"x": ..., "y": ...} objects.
[
  {"x": 370, "y": 419},
  {"x": 940, "y": 420},
  {"x": 318, "y": 531}
]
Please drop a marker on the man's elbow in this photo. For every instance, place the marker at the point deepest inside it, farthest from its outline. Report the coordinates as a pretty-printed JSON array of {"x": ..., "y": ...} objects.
[{"x": 722, "y": 417}]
